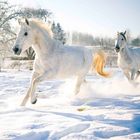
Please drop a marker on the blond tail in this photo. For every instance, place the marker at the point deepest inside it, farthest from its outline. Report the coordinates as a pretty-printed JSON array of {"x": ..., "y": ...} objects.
[{"x": 98, "y": 63}]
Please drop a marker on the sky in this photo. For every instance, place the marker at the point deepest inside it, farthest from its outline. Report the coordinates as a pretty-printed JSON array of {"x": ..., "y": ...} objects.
[{"x": 96, "y": 17}]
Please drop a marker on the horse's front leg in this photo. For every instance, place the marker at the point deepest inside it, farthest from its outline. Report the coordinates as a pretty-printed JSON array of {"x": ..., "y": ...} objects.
[
  {"x": 134, "y": 76},
  {"x": 34, "y": 76},
  {"x": 137, "y": 75},
  {"x": 33, "y": 88},
  {"x": 46, "y": 75},
  {"x": 133, "y": 72},
  {"x": 127, "y": 74}
]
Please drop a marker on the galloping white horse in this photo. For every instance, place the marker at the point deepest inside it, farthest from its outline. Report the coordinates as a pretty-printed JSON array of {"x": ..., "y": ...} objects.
[
  {"x": 54, "y": 60},
  {"x": 128, "y": 58}
]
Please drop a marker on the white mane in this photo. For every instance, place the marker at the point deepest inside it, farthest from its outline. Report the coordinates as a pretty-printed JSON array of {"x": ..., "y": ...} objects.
[{"x": 42, "y": 25}]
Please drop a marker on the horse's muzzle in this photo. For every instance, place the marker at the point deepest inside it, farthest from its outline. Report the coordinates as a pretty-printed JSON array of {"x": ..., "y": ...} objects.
[
  {"x": 17, "y": 50},
  {"x": 117, "y": 48}
]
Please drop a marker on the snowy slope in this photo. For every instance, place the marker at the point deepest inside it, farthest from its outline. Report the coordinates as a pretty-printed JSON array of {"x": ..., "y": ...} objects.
[{"x": 104, "y": 109}]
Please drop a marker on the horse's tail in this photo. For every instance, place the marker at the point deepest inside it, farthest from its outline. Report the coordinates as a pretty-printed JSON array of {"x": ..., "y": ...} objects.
[{"x": 98, "y": 63}]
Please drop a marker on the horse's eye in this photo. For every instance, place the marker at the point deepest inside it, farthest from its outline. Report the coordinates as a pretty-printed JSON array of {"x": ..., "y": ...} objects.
[
  {"x": 25, "y": 33},
  {"x": 122, "y": 38}
]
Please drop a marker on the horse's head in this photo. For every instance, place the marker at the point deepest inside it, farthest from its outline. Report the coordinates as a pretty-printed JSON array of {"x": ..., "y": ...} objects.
[
  {"x": 120, "y": 42},
  {"x": 25, "y": 37}
]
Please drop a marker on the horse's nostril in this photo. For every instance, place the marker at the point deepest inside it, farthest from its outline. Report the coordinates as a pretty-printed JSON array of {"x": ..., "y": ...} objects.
[
  {"x": 15, "y": 49},
  {"x": 117, "y": 47}
]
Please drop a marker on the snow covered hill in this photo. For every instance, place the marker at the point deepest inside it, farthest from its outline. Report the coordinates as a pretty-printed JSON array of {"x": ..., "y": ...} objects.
[{"x": 104, "y": 109}]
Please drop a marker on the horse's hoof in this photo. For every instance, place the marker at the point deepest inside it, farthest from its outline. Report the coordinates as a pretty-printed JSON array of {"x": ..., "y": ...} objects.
[{"x": 33, "y": 102}]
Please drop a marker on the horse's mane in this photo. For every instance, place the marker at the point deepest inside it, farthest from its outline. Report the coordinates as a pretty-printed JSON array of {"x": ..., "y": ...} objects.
[{"x": 43, "y": 25}]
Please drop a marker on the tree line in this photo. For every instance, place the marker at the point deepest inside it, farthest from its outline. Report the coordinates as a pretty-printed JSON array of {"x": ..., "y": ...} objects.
[
  {"x": 10, "y": 13},
  {"x": 89, "y": 40},
  {"x": 84, "y": 39}
]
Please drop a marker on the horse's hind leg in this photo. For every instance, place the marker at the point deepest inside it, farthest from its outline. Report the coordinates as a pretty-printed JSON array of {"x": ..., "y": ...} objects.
[{"x": 80, "y": 80}]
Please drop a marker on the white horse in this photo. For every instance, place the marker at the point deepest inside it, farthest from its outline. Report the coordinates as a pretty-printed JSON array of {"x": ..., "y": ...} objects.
[
  {"x": 54, "y": 60},
  {"x": 128, "y": 57}
]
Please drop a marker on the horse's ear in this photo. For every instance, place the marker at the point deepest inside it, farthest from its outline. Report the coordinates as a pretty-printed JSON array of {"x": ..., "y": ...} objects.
[
  {"x": 26, "y": 21},
  {"x": 124, "y": 32}
]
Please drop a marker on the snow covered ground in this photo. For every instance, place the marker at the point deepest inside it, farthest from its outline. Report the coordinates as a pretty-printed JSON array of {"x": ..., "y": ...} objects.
[{"x": 104, "y": 109}]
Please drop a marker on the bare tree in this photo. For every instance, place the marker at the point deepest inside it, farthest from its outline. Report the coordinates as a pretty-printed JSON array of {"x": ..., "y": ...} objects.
[
  {"x": 7, "y": 35},
  {"x": 7, "y": 13},
  {"x": 39, "y": 13}
]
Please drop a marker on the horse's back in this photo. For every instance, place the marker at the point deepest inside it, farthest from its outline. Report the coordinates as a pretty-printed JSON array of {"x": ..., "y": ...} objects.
[
  {"x": 73, "y": 60},
  {"x": 136, "y": 55}
]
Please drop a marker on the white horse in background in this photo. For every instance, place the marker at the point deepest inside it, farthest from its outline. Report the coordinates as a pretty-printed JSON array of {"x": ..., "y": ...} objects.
[
  {"x": 128, "y": 57},
  {"x": 54, "y": 60}
]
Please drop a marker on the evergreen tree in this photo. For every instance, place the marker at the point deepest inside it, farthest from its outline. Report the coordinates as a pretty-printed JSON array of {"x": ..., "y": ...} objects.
[
  {"x": 58, "y": 33},
  {"x": 136, "y": 42}
]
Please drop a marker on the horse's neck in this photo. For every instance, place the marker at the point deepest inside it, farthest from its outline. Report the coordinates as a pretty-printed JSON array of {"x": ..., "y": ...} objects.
[
  {"x": 124, "y": 50},
  {"x": 125, "y": 53},
  {"x": 44, "y": 44}
]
